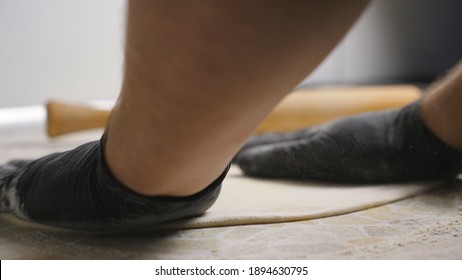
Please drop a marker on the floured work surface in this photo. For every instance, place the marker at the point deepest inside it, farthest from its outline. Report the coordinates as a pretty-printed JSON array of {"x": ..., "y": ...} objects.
[
  {"x": 243, "y": 201},
  {"x": 428, "y": 226}
]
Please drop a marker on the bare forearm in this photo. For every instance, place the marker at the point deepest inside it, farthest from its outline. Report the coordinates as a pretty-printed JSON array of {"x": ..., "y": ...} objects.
[{"x": 200, "y": 76}]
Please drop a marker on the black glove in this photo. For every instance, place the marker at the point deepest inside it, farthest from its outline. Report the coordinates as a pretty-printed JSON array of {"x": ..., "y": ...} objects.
[
  {"x": 380, "y": 147},
  {"x": 76, "y": 190}
]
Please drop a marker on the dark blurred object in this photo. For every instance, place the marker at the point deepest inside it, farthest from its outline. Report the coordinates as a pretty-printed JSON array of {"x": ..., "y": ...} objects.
[
  {"x": 396, "y": 41},
  {"x": 425, "y": 36}
]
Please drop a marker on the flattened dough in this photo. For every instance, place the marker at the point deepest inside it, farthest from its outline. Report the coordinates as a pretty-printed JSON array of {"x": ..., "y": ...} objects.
[{"x": 243, "y": 200}]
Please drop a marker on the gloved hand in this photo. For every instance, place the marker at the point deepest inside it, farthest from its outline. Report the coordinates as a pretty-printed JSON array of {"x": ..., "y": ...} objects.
[
  {"x": 75, "y": 189},
  {"x": 380, "y": 147}
]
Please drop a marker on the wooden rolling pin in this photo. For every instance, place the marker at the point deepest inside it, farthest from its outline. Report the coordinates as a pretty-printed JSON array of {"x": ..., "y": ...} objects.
[{"x": 305, "y": 107}]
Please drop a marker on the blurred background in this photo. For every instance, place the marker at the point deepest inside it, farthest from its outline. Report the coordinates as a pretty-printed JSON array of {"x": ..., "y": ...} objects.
[{"x": 72, "y": 49}]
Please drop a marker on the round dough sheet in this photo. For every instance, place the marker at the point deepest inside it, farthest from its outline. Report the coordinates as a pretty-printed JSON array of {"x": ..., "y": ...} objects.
[{"x": 242, "y": 200}]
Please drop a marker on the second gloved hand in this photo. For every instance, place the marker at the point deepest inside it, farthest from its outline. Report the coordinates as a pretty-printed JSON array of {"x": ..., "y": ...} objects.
[{"x": 380, "y": 147}]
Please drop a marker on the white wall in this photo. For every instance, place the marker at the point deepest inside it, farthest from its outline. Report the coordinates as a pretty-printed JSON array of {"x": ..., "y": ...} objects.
[
  {"x": 59, "y": 48},
  {"x": 72, "y": 49}
]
